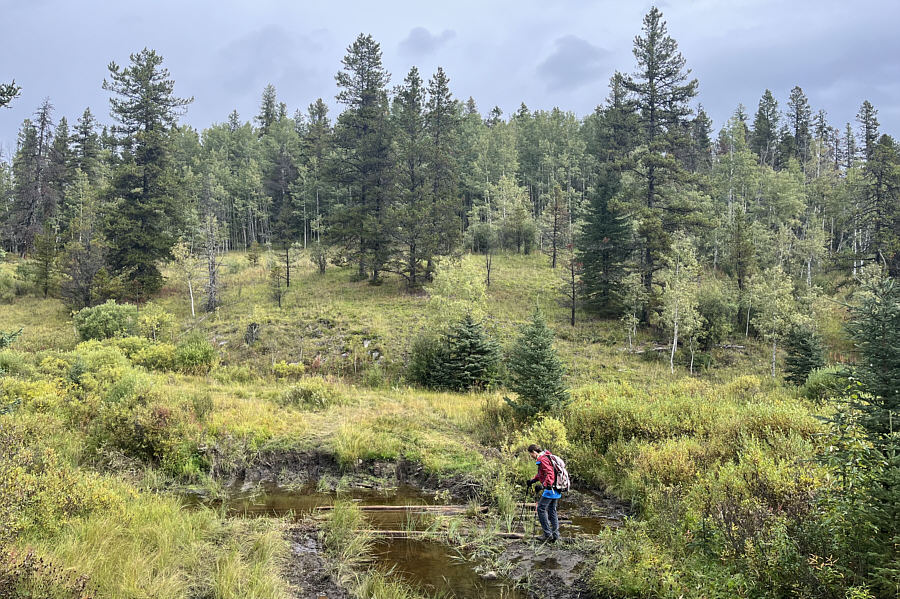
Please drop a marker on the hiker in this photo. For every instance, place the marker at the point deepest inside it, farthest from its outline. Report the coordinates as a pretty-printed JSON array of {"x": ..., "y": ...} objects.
[{"x": 546, "y": 480}]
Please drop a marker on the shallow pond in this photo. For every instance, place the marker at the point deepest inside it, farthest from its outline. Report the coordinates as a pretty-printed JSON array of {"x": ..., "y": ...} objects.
[
  {"x": 435, "y": 569},
  {"x": 431, "y": 566},
  {"x": 273, "y": 500}
]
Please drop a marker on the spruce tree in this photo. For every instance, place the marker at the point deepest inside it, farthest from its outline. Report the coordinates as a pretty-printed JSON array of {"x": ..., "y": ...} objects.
[
  {"x": 472, "y": 358},
  {"x": 868, "y": 128},
  {"x": 875, "y": 330},
  {"x": 535, "y": 371},
  {"x": 804, "y": 354},
  {"x": 799, "y": 116},
  {"x": 603, "y": 247},
  {"x": 143, "y": 226},
  {"x": 8, "y": 93},
  {"x": 764, "y": 139}
]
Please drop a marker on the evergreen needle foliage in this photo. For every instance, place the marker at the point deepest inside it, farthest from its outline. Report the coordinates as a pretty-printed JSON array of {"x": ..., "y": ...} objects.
[
  {"x": 462, "y": 359},
  {"x": 535, "y": 371},
  {"x": 804, "y": 354}
]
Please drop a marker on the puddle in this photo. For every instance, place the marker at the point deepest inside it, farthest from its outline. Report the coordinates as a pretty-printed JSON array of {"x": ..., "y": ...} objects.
[
  {"x": 273, "y": 500},
  {"x": 436, "y": 570}
]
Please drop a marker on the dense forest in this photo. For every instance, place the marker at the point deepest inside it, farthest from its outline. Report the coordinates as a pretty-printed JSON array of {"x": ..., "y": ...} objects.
[
  {"x": 408, "y": 174},
  {"x": 682, "y": 239}
]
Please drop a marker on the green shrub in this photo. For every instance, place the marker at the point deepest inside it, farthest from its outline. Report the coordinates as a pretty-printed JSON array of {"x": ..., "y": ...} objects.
[
  {"x": 202, "y": 404},
  {"x": 14, "y": 363},
  {"x": 283, "y": 370},
  {"x": 717, "y": 306},
  {"x": 195, "y": 355},
  {"x": 155, "y": 323},
  {"x": 156, "y": 356},
  {"x": 8, "y": 338},
  {"x": 233, "y": 374},
  {"x": 7, "y": 287},
  {"x": 106, "y": 321},
  {"x": 826, "y": 383},
  {"x": 427, "y": 357},
  {"x": 131, "y": 345},
  {"x": 312, "y": 393}
]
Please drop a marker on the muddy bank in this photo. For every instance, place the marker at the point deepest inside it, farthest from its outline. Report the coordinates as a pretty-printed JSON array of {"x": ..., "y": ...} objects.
[
  {"x": 299, "y": 468},
  {"x": 307, "y": 569},
  {"x": 558, "y": 571}
]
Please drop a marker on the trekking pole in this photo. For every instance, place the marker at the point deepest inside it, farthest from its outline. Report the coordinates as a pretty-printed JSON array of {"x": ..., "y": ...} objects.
[{"x": 524, "y": 503}]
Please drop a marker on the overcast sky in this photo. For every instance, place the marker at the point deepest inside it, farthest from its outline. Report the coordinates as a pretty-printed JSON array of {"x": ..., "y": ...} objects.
[{"x": 545, "y": 53}]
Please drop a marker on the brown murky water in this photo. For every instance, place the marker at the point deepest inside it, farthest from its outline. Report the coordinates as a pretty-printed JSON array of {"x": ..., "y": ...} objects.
[
  {"x": 429, "y": 565},
  {"x": 435, "y": 569}
]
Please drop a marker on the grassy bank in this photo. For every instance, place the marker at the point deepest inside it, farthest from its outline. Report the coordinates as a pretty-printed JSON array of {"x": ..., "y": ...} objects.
[{"x": 722, "y": 467}]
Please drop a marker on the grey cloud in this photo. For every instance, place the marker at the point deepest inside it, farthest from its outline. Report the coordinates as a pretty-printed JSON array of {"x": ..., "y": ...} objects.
[
  {"x": 256, "y": 59},
  {"x": 574, "y": 63},
  {"x": 421, "y": 42}
]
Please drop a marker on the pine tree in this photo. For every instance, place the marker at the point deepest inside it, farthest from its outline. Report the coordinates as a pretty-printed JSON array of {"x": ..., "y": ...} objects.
[
  {"x": 535, "y": 371},
  {"x": 442, "y": 125},
  {"x": 868, "y": 128},
  {"x": 880, "y": 206},
  {"x": 8, "y": 93},
  {"x": 410, "y": 214},
  {"x": 268, "y": 110},
  {"x": 604, "y": 246},
  {"x": 362, "y": 139},
  {"x": 556, "y": 224},
  {"x": 86, "y": 145},
  {"x": 615, "y": 129},
  {"x": 45, "y": 254},
  {"x": 804, "y": 354},
  {"x": 764, "y": 139},
  {"x": 143, "y": 225},
  {"x": 798, "y": 116},
  {"x": 662, "y": 91}
]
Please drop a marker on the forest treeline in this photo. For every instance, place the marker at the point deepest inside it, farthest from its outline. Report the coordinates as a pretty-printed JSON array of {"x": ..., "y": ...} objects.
[{"x": 408, "y": 173}]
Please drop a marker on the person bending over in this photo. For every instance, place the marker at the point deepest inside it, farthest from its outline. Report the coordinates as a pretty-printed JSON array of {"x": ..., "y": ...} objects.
[{"x": 546, "y": 506}]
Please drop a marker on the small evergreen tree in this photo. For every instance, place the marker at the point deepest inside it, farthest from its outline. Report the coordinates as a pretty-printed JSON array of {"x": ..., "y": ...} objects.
[
  {"x": 472, "y": 357},
  {"x": 875, "y": 329},
  {"x": 461, "y": 359},
  {"x": 536, "y": 373},
  {"x": 804, "y": 354},
  {"x": 45, "y": 254}
]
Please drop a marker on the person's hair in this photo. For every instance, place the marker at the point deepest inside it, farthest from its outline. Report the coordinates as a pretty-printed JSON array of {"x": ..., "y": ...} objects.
[{"x": 534, "y": 448}]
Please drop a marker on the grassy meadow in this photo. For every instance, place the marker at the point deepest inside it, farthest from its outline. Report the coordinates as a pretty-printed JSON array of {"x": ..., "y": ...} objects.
[{"x": 721, "y": 467}]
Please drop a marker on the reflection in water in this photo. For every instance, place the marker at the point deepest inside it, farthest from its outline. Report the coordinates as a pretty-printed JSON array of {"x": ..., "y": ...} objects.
[{"x": 432, "y": 567}]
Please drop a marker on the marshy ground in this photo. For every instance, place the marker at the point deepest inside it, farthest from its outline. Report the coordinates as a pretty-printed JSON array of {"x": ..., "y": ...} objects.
[{"x": 141, "y": 479}]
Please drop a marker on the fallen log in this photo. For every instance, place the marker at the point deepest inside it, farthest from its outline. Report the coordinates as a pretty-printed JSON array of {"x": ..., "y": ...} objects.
[
  {"x": 409, "y": 534},
  {"x": 410, "y": 508}
]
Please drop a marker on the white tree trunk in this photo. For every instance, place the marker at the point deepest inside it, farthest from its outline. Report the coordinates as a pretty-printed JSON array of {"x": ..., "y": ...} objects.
[
  {"x": 191, "y": 291},
  {"x": 774, "y": 347},
  {"x": 674, "y": 345}
]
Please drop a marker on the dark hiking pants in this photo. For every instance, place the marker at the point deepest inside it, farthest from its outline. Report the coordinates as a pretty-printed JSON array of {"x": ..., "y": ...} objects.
[{"x": 546, "y": 511}]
